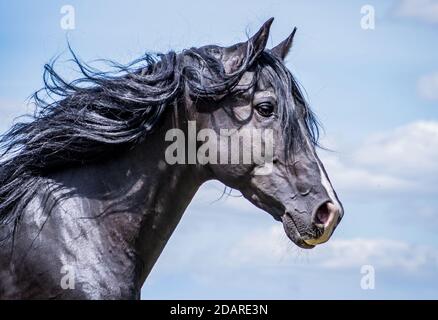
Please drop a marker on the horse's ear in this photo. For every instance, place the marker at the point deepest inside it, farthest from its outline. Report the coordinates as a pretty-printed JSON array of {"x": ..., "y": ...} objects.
[
  {"x": 251, "y": 49},
  {"x": 282, "y": 49}
]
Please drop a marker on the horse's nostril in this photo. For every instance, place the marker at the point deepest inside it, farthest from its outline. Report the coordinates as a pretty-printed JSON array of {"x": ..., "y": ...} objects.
[{"x": 324, "y": 214}]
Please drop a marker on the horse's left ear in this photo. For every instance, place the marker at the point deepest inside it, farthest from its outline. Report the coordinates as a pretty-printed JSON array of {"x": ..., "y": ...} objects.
[
  {"x": 251, "y": 49},
  {"x": 282, "y": 49}
]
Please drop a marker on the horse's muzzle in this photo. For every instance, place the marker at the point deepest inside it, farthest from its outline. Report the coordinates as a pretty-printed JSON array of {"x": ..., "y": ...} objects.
[{"x": 314, "y": 230}]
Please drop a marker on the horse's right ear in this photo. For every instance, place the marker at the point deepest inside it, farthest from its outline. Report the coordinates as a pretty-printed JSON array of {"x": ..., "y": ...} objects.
[
  {"x": 235, "y": 55},
  {"x": 282, "y": 49}
]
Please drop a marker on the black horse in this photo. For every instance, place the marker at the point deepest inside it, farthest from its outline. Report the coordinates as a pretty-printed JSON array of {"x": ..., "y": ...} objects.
[{"x": 88, "y": 196}]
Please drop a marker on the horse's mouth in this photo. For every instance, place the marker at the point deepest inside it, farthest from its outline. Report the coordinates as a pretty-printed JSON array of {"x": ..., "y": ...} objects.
[{"x": 292, "y": 232}]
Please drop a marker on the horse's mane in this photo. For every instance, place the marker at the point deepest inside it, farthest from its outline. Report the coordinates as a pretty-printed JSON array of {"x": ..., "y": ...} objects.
[{"x": 81, "y": 121}]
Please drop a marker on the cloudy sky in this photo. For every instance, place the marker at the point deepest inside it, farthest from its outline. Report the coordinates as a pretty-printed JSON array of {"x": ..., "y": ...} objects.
[{"x": 375, "y": 91}]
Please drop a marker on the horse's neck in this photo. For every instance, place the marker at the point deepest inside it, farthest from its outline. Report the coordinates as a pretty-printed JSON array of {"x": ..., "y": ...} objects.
[
  {"x": 133, "y": 203},
  {"x": 168, "y": 193},
  {"x": 154, "y": 194}
]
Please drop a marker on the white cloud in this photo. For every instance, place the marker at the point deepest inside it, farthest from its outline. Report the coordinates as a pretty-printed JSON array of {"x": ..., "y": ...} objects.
[
  {"x": 423, "y": 10},
  {"x": 270, "y": 247},
  {"x": 353, "y": 177},
  {"x": 427, "y": 87},
  {"x": 404, "y": 159},
  {"x": 410, "y": 151},
  {"x": 382, "y": 253}
]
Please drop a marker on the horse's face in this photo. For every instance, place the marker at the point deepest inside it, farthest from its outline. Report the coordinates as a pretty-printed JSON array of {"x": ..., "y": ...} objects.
[{"x": 291, "y": 184}]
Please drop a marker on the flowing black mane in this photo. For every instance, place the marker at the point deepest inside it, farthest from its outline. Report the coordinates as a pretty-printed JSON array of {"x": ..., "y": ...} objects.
[{"x": 78, "y": 122}]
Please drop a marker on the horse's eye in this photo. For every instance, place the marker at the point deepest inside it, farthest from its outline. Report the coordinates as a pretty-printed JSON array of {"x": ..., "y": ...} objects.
[{"x": 265, "y": 109}]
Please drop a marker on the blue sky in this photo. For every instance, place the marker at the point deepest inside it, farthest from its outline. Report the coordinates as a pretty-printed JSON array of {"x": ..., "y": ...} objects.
[{"x": 375, "y": 91}]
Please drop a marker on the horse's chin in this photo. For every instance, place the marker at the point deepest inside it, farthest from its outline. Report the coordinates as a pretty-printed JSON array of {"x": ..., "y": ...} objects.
[{"x": 293, "y": 233}]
